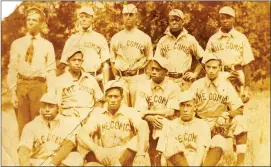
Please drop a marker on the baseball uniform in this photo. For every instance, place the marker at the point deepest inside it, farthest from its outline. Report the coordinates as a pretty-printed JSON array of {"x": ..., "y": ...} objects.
[
  {"x": 214, "y": 98},
  {"x": 30, "y": 72},
  {"x": 77, "y": 97},
  {"x": 178, "y": 136}
]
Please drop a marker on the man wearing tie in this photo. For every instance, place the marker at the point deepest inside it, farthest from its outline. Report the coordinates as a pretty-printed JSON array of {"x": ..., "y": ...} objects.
[{"x": 31, "y": 69}]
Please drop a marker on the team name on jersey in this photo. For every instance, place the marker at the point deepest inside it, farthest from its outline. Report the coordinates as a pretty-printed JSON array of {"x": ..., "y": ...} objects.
[
  {"x": 122, "y": 126},
  {"x": 156, "y": 99},
  {"x": 132, "y": 44},
  {"x": 91, "y": 45},
  {"x": 74, "y": 88},
  {"x": 212, "y": 96},
  {"x": 227, "y": 46},
  {"x": 187, "y": 137},
  {"x": 165, "y": 49},
  {"x": 48, "y": 138}
]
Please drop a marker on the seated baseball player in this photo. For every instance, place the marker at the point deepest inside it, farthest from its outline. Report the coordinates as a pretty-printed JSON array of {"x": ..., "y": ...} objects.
[
  {"x": 77, "y": 90},
  {"x": 155, "y": 99},
  {"x": 184, "y": 140},
  {"x": 49, "y": 139},
  {"x": 219, "y": 104},
  {"x": 122, "y": 136}
]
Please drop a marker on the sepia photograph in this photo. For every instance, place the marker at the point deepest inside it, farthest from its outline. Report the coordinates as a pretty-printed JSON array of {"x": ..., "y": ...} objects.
[{"x": 135, "y": 83}]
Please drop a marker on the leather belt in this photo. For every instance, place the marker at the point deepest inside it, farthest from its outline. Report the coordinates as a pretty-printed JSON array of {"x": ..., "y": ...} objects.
[
  {"x": 131, "y": 72},
  {"x": 175, "y": 75},
  {"x": 98, "y": 72},
  {"x": 236, "y": 67},
  {"x": 75, "y": 107},
  {"x": 41, "y": 79}
]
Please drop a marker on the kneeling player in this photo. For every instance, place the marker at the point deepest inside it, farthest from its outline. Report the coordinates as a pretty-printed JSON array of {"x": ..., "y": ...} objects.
[
  {"x": 184, "y": 140},
  {"x": 122, "y": 136},
  {"x": 47, "y": 140}
]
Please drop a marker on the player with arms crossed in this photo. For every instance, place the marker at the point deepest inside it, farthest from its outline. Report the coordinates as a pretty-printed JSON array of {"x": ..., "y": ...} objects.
[
  {"x": 178, "y": 47},
  {"x": 219, "y": 104},
  {"x": 186, "y": 139},
  {"x": 122, "y": 134},
  {"x": 49, "y": 139},
  {"x": 77, "y": 90},
  {"x": 131, "y": 50},
  {"x": 233, "y": 48},
  {"x": 155, "y": 99}
]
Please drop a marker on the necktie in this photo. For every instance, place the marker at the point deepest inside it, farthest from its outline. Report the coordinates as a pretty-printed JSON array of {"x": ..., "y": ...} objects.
[{"x": 30, "y": 51}]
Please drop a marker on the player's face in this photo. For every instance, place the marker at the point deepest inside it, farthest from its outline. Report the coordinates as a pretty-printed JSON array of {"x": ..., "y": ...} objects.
[
  {"x": 175, "y": 23},
  {"x": 212, "y": 68},
  {"x": 158, "y": 73},
  {"x": 75, "y": 62},
  {"x": 113, "y": 98},
  {"x": 129, "y": 20},
  {"x": 33, "y": 21},
  {"x": 187, "y": 110},
  {"x": 49, "y": 111},
  {"x": 85, "y": 20},
  {"x": 226, "y": 21}
]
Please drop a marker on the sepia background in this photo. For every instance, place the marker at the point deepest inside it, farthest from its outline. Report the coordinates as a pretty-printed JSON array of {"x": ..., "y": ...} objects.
[{"x": 252, "y": 19}]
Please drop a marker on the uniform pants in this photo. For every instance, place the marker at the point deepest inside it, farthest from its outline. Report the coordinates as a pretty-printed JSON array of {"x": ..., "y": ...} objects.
[{"x": 29, "y": 93}]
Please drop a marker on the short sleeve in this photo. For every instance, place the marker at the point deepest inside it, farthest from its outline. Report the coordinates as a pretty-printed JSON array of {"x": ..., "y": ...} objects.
[
  {"x": 197, "y": 50},
  {"x": 91, "y": 125},
  {"x": 105, "y": 55},
  {"x": 27, "y": 138},
  {"x": 247, "y": 52},
  {"x": 141, "y": 103},
  {"x": 135, "y": 119},
  {"x": 173, "y": 98},
  {"x": 113, "y": 48},
  {"x": 148, "y": 48},
  {"x": 67, "y": 47},
  {"x": 74, "y": 126},
  {"x": 204, "y": 134},
  {"x": 158, "y": 51},
  {"x": 98, "y": 94},
  {"x": 234, "y": 100}
]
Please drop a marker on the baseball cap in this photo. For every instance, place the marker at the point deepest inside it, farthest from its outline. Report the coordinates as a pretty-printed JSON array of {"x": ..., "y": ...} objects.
[
  {"x": 185, "y": 96},
  {"x": 36, "y": 10},
  {"x": 129, "y": 8},
  {"x": 49, "y": 97},
  {"x": 163, "y": 62},
  {"x": 227, "y": 10},
  {"x": 114, "y": 84},
  {"x": 72, "y": 51},
  {"x": 176, "y": 12},
  {"x": 86, "y": 9},
  {"x": 209, "y": 57}
]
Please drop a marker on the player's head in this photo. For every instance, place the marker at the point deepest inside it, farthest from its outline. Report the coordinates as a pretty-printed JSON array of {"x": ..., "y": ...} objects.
[
  {"x": 226, "y": 18},
  {"x": 176, "y": 20},
  {"x": 130, "y": 16},
  {"x": 187, "y": 105},
  {"x": 212, "y": 66},
  {"x": 159, "y": 69},
  {"x": 114, "y": 94},
  {"x": 85, "y": 16},
  {"x": 75, "y": 60},
  {"x": 49, "y": 107},
  {"x": 34, "y": 18}
]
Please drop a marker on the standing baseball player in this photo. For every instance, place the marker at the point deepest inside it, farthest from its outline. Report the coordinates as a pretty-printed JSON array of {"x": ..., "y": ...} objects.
[
  {"x": 155, "y": 100},
  {"x": 178, "y": 47},
  {"x": 122, "y": 134},
  {"x": 219, "y": 104},
  {"x": 233, "y": 48},
  {"x": 31, "y": 69},
  {"x": 48, "y": 140},
  {"x": 93, "y": 45},
  {"x": 131, "y": 50},
  {"x": 77, "y": 90},
  {"x": 184, "y": 140}
]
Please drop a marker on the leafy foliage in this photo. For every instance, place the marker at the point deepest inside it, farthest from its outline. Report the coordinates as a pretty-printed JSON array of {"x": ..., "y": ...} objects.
[{"x": 253, "y": 19}]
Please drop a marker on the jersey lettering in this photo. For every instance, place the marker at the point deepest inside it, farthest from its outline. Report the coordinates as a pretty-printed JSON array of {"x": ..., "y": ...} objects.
[
  {"x": 93, "y": 46},
  {"x": 156, "y": 99},
  {"x": 116, "y": 125},
  {"x": 212, "y": 96},
  {"x": 48, "y": 138},
  {"x": 181, "y": 47},
  {"x": 136, "y": 45},
  {"x": 228, "y": 46},
  {"x": 187, "y": 137},
  {"x": 70, "y": 90}
]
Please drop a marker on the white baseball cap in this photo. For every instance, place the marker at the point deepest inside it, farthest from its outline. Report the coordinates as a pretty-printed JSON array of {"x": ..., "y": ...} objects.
[
  {"x": 227, "y": 10},
  {"x": 176, "y": 12},
  {"x": 72, "y": 51},
  {"x": 185, "y": 96},
  {"x": 49, "y": 97},
  {"x": 114, "y": 84},
  {"x": 37, "y": 10},
  {"x": 86, "y": 9},
  {"x": 163, "y": 62},
  {"x": 208, "y": 57},
  {"x": 129, "y": 8}
]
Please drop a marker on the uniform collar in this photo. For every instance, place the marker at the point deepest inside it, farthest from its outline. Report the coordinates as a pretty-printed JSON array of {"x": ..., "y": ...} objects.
[
  {"x": 121, "y": 110},
  {"x": 132, "y": 30},
  {"x": 36, "y": 36},
  {"x": 183, "y": 33},
  {"x": 89, "y": 30},
  {"x": 83, "y": 75},
  {"x": 53, "y": 123},
  {"x": 232, "y": 33},
  {"x": 162, "y": 85},
  {"x": 208, "y": 82},
  {"x": 187, "y": 122}
]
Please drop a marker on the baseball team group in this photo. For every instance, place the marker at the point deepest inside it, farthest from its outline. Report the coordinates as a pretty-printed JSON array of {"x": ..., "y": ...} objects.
[{"x": 156, "y": 111}]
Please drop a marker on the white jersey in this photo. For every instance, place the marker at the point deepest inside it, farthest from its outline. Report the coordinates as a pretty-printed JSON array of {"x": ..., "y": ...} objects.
[
  {"x": 94, "y": 47},
  {"x": 78, "y": 93},
  {"x": 43, "y": 138},
  {"x": 179, "y": 51},
  {"x": 232, "y": 48},
  {"x": 130, "y": 50},
  {"x": 187, "y": 135}
]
